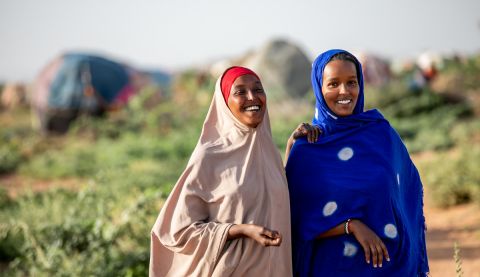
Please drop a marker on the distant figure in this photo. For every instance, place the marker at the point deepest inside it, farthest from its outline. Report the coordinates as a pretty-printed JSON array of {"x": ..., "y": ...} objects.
[
  {"x": 424, "y": 72},
  {"x": 416, "y": 80},
  {"x": 356, "y": 197}
]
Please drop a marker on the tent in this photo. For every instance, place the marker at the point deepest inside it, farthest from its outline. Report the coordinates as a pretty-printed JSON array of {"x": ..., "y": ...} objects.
[
  {"x": 77, "y": 83},
  {"x": 282, "y": 65}
]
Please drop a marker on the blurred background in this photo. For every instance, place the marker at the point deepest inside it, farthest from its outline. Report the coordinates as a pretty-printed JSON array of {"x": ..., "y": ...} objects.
[{"x": 102, "y": 102}]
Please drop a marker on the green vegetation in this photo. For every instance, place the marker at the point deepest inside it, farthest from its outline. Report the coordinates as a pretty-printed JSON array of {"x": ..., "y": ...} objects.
[
  {"x": 453, "y": 178},
  {"x": 127, "y": 163}
]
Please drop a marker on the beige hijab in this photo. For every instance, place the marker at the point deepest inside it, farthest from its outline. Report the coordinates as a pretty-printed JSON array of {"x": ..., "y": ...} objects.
[{"x": 235, "y": 175}]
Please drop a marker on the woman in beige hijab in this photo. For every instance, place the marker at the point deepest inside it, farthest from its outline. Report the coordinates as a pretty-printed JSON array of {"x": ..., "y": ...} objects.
[{"x": 229, "y": 213}]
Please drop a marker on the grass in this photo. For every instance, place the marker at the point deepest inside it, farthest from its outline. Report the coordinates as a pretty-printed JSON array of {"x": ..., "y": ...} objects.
[{"x": 128, "y": 162}]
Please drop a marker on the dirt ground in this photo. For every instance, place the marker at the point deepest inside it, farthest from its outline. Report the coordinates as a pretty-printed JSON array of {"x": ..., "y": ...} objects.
[{"x": 459, "y": 224}]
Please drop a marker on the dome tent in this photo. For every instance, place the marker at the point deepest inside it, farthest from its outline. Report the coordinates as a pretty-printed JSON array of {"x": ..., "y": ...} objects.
[{"x": 78, "y": 83}]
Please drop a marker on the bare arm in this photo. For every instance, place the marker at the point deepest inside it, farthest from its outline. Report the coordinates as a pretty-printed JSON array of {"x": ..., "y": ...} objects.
[
  {"x": 335, "y": 231},
  {"x": 373, "y": 247},
  {"x": 261, "y": 235},
  {"x": 288, "y": 148}
]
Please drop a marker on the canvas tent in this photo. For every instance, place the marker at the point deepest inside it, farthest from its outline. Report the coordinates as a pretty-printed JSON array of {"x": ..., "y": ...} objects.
[
  {"x": 283, "y": 66},
  {"x": 77, "y": 83}
]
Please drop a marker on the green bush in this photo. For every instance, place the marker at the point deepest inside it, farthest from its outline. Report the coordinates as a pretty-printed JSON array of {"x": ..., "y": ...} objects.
[
  {"x": 128, "y": 162},
  {"x": 10, "y": 158},
  {"x": 424, "y": 120},
  {"x": 453, "y": 180}
]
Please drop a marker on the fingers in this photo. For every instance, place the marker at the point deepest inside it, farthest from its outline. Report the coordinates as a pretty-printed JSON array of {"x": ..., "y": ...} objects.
[
  {"x": 314, "y": 132},
  {"x": 310, "y": 134},
  {"x": 270, "y": 238},
  {"x": 385, "y": 251},
  {"x": 305, "y": 129},
  {"x": 269, "y": 233},
  {"x": 366, "y": 249},
  {"x": 274, "y": 241},
  {"x": 375, "y": 255},
  {"x": 375, "y": 252},
  {"x": 317, "y": 132},
  {"x": 382, "y": 252}
]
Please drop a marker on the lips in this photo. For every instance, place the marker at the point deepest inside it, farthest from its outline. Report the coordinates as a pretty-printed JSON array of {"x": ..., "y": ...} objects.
[
  {"x": 253, "y": 108},
  {"x": 344, "y": 101}
]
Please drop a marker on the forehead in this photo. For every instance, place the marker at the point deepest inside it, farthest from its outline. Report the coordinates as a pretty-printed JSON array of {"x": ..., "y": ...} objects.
[
  {"x": 339, "y": 68},
  {"x": 247, "y": 79}
]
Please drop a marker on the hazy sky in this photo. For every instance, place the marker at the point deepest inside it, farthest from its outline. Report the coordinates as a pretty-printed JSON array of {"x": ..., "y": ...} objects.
[{"x": 171, "y": 34}]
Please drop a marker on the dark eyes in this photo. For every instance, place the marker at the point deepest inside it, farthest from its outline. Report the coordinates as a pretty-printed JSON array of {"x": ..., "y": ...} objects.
[
  {"x": 333, "y": 84},
  {"x": 351, "y": 83},
  {"x": 244, "y": 91}
]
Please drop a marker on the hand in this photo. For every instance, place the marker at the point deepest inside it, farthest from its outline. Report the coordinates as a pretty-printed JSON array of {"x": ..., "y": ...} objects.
[
  {"x": 312, "y": 132},
  {"x": 373, "y": 246},
  {"x": 261, "y": 235},
  {"x": 304, "y": 129}
]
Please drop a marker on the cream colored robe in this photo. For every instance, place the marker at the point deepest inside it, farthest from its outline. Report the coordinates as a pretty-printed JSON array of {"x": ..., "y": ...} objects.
[{"x": 235, "y": 175}]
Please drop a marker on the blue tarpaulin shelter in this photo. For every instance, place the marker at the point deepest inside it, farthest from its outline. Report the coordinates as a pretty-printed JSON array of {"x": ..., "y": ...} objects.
[
  {"x": 78, "y": 83},
  {"x": 79, "y": 74}
]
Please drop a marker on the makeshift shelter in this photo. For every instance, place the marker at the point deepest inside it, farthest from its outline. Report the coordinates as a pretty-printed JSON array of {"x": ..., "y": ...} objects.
[
  {"x": 77, "y": 83},
  {"x": 284, "y": 68},
  {"x": 282, "y": 65},
  {"x": 376, "y": 70}
]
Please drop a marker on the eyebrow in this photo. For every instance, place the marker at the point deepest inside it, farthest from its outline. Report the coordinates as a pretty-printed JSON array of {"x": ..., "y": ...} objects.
[
  {"x": 336, "y": 78},
  {"x": 243, "y": 85}
]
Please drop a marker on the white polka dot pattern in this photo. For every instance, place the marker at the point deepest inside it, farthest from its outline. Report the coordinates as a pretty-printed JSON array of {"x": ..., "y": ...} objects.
[
  {"x": 390, "y": 231},
  {"x": 345, "y": 154},
  {"x": 329, "y": 208},
  {"x": 349, "y": 250}
]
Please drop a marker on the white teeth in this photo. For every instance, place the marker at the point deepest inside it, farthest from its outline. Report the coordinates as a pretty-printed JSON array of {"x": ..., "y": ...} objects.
[
  {"x": 344, "y": 101},
  {"x": 252, "y": 108}
]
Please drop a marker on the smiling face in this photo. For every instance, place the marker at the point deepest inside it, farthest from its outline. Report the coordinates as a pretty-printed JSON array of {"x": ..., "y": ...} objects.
[
  {"x": 340, "y": 87},
  {"x": 247, "y": 100}
]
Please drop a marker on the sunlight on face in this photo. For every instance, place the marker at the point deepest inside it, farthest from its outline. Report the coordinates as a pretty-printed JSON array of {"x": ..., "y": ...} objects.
[
  {"x": 340, "y": 87},
  {"x": 248, "y": 100}
]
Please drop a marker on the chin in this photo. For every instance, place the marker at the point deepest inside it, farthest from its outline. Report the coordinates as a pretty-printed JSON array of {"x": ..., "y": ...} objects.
[
  {"x": 344, "y": 113},
  {"x": 253, "y": 124}
]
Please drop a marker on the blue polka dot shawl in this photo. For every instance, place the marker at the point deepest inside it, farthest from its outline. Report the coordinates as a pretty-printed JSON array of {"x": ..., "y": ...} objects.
[{"x": 359, "y": 168}]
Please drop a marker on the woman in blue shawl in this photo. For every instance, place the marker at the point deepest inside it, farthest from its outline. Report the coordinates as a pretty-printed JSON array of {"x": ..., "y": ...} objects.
[{"x": 356, "y": 197}]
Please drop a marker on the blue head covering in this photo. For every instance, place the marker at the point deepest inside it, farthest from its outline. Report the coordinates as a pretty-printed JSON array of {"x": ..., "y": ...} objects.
[
  {"x": 358, "y": 169},
  {"x": 327, "y": 120},
  {"x": 322, "y": 112}
]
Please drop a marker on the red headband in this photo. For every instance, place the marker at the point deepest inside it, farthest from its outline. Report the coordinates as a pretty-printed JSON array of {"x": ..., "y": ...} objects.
[{"x": 229, "y": 78}]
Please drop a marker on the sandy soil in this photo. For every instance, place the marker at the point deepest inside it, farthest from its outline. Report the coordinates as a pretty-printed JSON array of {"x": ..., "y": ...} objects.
[{"x": 459, "y": 224}]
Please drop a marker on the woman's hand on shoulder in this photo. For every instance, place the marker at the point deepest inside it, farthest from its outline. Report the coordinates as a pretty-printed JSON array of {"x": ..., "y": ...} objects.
[
  {"x": 260, "y": 234},
  {"x": 312, "y": 132},
  {"x": 303, "y": 130},
  {"x": 374, "y": 248}
]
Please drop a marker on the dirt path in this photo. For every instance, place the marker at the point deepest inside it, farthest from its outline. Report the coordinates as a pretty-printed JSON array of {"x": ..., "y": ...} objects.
[{"x": 459, "y": 224}]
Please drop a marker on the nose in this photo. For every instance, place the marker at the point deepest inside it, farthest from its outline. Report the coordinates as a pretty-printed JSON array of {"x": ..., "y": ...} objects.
[
  {"x": 250, "y": 95},
  {"x": 343, "y": 89}
]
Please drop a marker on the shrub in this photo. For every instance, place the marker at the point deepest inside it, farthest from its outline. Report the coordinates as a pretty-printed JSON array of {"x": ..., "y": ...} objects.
[{"x": 453, "y": 180}]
